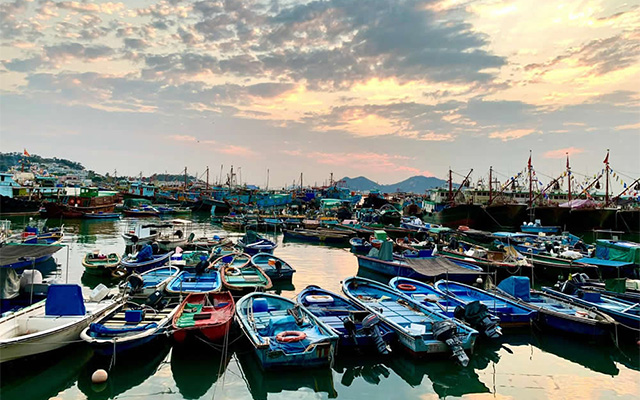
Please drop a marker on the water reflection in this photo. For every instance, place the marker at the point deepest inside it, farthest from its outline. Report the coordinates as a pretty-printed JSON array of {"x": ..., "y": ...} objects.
[
  {"x": 131, "y": 370},
  {"x": 43, "y": 376},
  {"x": 261, "y": 382},
  {"x": 92, "y": 280},
  {"x": 370, "y": 369},
  {"x": 196, "y": 367}
]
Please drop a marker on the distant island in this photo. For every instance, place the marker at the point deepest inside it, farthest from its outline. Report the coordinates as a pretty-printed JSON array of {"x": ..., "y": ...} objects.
[{"x": 415, "y": 184}]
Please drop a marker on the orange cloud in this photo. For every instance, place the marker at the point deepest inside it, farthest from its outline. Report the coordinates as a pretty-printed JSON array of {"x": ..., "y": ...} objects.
[
  {"x": 629, "y": 127},
  {"x": 561, "y": 153},
  {"x": 236, "y": 151},
  {"x": 511, "y": 134}
]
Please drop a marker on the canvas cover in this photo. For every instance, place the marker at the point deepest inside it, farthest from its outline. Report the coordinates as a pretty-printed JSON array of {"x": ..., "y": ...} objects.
[
  {"x": 64, "y": 300},
  {"x": 618, "y": 251},
  {"x": 9, "y": 283},
  {"x": 516, "y": 286}
]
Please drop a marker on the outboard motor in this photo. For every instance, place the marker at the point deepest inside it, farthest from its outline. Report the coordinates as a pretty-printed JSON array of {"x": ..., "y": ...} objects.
[
  {"x": 477, "y": 315},
  {"x": 201, "y": 266},
  {"x": 135, "y": 282},
  {"x": 370, "y": 325},
  {"x": 445, "y": 331}
]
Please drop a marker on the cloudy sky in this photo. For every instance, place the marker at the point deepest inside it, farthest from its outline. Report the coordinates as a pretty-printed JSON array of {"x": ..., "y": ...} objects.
[{"x": 381, "y": 88}]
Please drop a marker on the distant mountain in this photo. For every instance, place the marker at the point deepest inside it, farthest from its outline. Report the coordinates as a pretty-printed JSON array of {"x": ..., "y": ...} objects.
[{"x": 415, "y": 184}]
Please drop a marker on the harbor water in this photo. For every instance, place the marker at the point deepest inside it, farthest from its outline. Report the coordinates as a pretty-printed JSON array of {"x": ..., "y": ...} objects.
[{"x": 526, "y": 364}]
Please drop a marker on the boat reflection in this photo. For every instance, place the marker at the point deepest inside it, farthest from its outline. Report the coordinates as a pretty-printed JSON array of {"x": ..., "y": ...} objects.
[
  {"x": 91, "y": 280},
  {"x": 282, "y": 286},
  {"x": 52, "y": 373},
  {"x": 261, "y": 382},
  {"x": 369, "y": 369},
  {"x": 131, "y": 370},
  {"x": 196, "y": 367}
]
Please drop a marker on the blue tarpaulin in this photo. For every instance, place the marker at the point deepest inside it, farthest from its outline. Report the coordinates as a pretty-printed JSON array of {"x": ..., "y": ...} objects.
[{"x": 517, "y": 286}]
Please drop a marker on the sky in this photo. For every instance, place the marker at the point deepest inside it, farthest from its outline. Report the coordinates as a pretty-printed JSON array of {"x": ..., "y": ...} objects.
[{"x": 381, "y": 88}]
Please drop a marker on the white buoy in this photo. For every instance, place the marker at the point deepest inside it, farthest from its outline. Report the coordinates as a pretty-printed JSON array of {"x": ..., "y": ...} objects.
[
  {"x": 99, "y": 376},
  {"x": 479, "y": 281}
]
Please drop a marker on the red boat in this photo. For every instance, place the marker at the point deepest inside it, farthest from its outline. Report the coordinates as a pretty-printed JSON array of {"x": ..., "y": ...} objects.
[
  {"x": 87, "y": 201},
  {"x": 209, "y": 314}
]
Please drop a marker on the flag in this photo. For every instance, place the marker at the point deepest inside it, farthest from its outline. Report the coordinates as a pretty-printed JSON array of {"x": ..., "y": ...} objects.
[
  {"x": 529, "y": 164},
  {"x": 606, "y": 160},
  {"x": 567, "y": 160},
  {"x": 26, "y": 153}
]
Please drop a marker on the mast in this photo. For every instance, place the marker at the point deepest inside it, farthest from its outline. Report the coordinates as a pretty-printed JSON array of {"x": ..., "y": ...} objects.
[
  {"x": 530, "y": 168},
  {"x": 569, "y": 176},
  {"x": 220, "y": 181},
  {"x": 300, "y": 180},
  {"x": 185, "y": 179},
  {"x": 207, "y": 178},
  {"x": 331, "y": 180},
  {"x": 267, "y": 178},
  {"x": 490, "y": 184},
  {"x": 606, "y": 194},
  {"x": 450, "y": 188}
]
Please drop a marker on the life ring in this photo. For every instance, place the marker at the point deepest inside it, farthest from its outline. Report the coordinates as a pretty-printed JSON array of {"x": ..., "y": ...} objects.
[
  {"x": 233, "y": 271},
  {"x": 406, "y": 287},
  {"x": 290, "y": 336},
  {"x": 119, "y": 272}
]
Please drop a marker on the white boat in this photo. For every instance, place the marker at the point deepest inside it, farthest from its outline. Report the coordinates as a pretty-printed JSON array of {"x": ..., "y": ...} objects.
[
  {"x": 52, "y": 323},
  {"x": 169, "y": 240},
  {"x": 140, "y": 234}
]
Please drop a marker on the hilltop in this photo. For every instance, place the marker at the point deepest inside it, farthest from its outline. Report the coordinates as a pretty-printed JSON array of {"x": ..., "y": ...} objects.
[{"x": 415, "y": 184}]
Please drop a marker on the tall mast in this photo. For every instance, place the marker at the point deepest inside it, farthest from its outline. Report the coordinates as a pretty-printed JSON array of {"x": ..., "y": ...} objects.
[
  {"x": 569, "y": 176},
  {"x": 267, "y": 178},
  {"x": 606, "y": 194},
  {"x": 185, "y": 179},
  {"x": 450, "y": 188},
  {"x": 331, "y": 180},
  {"x": 530, "y": 167},
  {"x": 207, "y": 178},
  {"x": 490, "y": 184},
  {"x": 300, "y": 180},
  {"x": 220, "y": 181}
]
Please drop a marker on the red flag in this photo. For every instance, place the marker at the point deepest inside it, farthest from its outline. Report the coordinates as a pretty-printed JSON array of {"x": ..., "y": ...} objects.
[
  {"x": 567, "y": 160},
  {"x": 26, "y": 153},
  {"x": 529, "y": 164},
  {"x": 606, "y": 160}
]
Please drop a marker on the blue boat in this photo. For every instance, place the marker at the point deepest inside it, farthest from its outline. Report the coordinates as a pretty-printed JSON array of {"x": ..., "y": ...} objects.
[
  {"x": 626, "y": 313},
  {"x": 419, "y": 329},
  {"x": 101, "y": 215},
  {"x": 359, "y": 245},
  {"x": 420, "y": 268},
  {"x": 283, "y": 333},
  {"x": 144, "y": 260},
  {"x": 475, "y": 313},
  {"x": 555, "y": 312},
  {"x": 252, "y": 243},
  {"x": 127, "y": 327},
  {"x": 537, "y": 228},
  {"x": 511, "y": 313},
  {"x": 155, "y": 280},
  {"x": 196, "y": 281},
  {"x": 356, "y": 327},
  {"x": 275, "y": 267}
]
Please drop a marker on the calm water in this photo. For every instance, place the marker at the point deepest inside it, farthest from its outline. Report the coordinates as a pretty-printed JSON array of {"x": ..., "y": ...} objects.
[{"x": 525, "y": 365}]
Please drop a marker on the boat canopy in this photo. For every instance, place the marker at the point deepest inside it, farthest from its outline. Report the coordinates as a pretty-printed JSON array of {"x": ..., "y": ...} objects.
[
  {"x": 516, "y": 286},
  {"x": 613, "y": 250}
]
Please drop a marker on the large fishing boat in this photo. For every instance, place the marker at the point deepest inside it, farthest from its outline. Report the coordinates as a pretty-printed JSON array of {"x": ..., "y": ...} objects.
[{"x": 80, "y": 201}]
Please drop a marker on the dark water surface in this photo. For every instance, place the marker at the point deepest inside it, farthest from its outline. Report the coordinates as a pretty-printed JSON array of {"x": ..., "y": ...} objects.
[{"x": 523, "y": 365}]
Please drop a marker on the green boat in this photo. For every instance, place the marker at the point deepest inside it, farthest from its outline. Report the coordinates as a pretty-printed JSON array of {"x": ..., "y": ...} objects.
[
  {"x": 100, "y": 264},
  {"x": 239, "y": 276}
]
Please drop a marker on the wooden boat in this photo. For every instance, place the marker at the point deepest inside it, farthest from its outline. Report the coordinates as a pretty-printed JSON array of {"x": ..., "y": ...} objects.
[
  {"x": 283, "y": 333},
  {"x": 419, "y": 329},
  {"x": 275, "y": 267},
  {"x": 189, "y": 259},
  {"x": 626, "y": 313},
  {"x": 144, "y": 212},
  {"x": 50, "y": 324},
  {"x": 356, "y": 327},
  {"x": 252, "y": 243},
  {"x": 475, "y": 314},
  {"x": 128, "y": 326},
  {"x": 168, "y": 241},
  {"x": 195, "y": 282},
  {"x": 144, "y": 260},
  {"x": 555, "y": 312},
  {"x": 88, "y": 200},
  {"x": 538, "y": 228},
  {"x": 511, "y": 313},
  {"x": 511, "y": 262},
  {"x": 316, "y": 236},
  {"x": 155, "y": 280},
  {"x": 100, "y": 264},
  {"x": 205, "y": 243},
  {"x": 238, "y": 275},
  {"x": 208, "y": 314}
]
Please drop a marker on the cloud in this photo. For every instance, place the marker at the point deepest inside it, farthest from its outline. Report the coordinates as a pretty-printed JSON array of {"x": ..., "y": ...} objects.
[
  {"x": 239, "y": 151},
  {"x": 511, "y": 134},
  {"x": 106, "y": 8},
  {"x": 628, "y": 127},
  {"x": 561, "y": 153}
]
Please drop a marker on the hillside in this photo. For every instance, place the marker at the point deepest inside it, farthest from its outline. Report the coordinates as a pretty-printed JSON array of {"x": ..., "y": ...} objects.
[
  {"x": 7, "y": 160},
  {"x": 415, "y": 184}
]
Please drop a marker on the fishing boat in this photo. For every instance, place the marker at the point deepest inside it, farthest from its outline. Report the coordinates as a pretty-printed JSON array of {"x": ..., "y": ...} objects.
[
  {"x": 357, "y": 328},
  {"x": 476, "y": 314},
  {"x": 239, "y": 276},
  {"x": 140, "y": 234},
  {"x": 169, "y": 240},
  {"x": 420, "y": 330},
  {"x": 511, "y": 314},
  {"x": 252, "y": 243},
  {"x": 97, "y": 263},
  {"x": 359, "y": 245},
  {"x": 206, "y": 314},
  {"x": 275, "y": 267},
  {"x": 283, "y": 333},
  {"x": 143, "y": 212},
  {"x": 144, "y": 260},
  {"x": 200, "y": 280},
  {"x": 144, "y": 285},
  {"x": 101, "y": 215},
  {"x": 509, "y": 260},
  {"x": 555, "y": 312},
  {"x": 626, "y": 313},
  {"x": 537, "y": 228},
  {"x": 52, "y": 323},
  {"x": 128, "y": 326},
  {"x": 309, "y": 235},
  {"x": 205, "y": 243}
]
